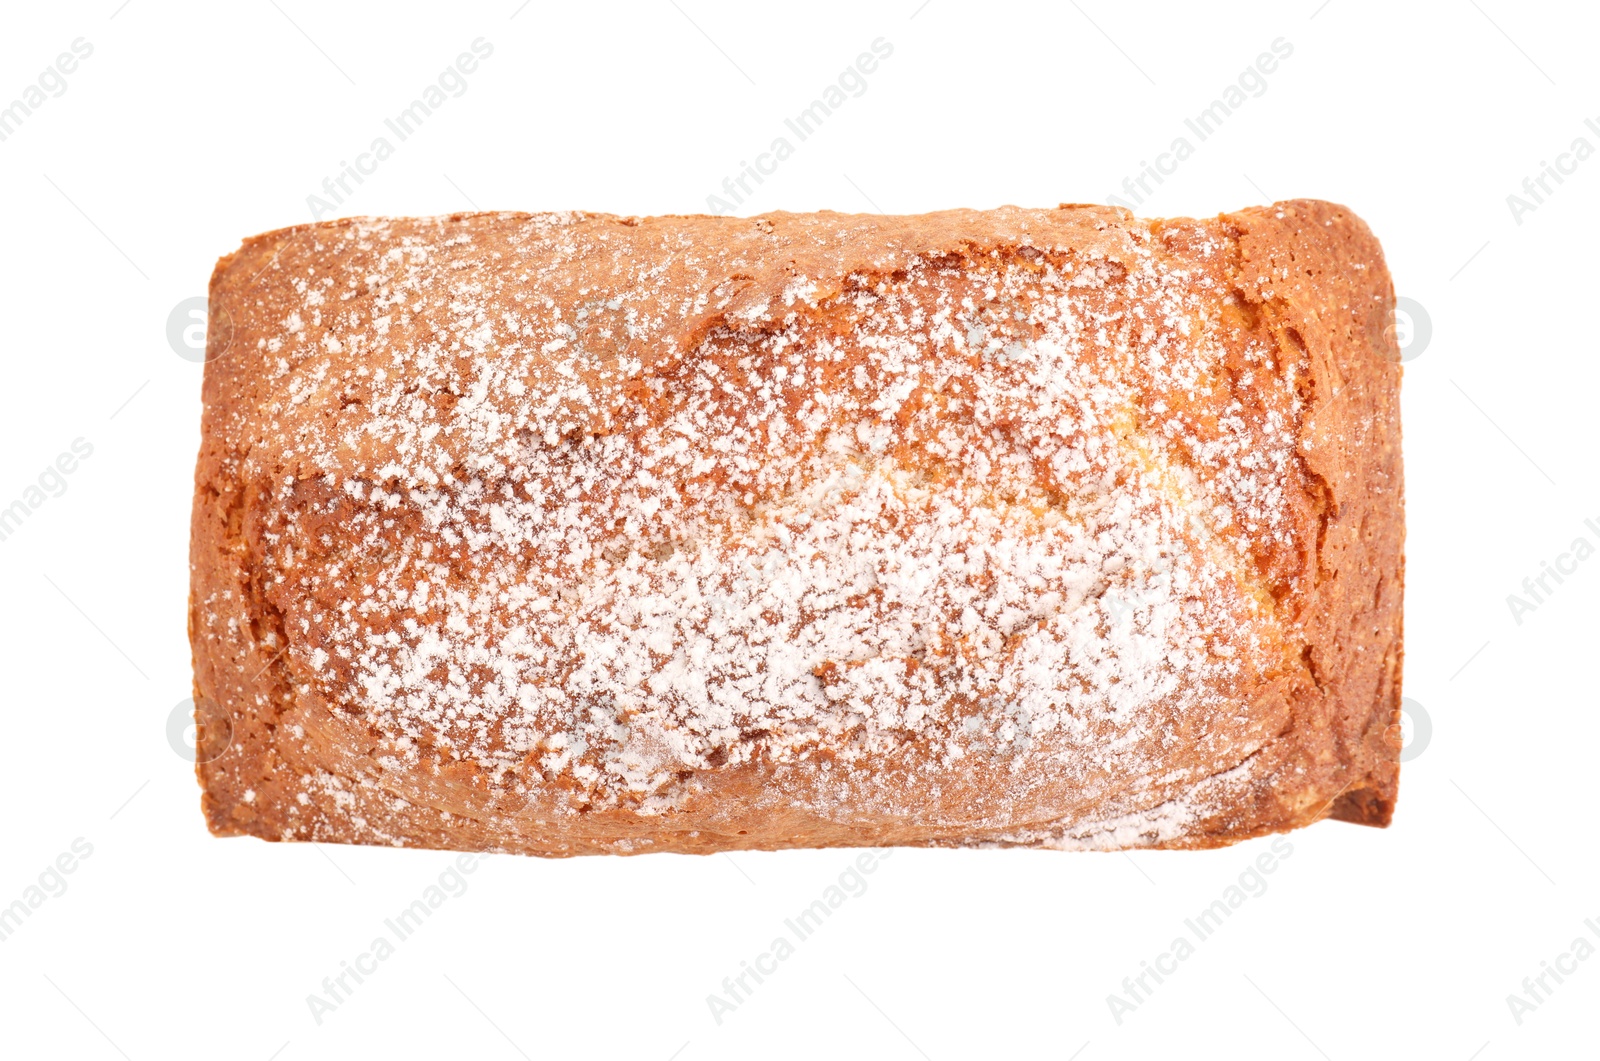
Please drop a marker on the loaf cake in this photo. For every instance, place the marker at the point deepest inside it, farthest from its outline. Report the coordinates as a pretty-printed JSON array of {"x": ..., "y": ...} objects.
[{"x": 573, "y": 533}]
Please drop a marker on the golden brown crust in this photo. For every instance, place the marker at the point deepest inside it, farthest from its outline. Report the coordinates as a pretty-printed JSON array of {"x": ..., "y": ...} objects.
[
  {"x": 564, "y": 534},
  {"x": 1326, "y": 272}
]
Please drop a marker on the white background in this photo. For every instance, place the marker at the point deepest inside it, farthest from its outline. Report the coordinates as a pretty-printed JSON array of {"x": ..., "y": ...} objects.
[{"x": 192, "y": 126}]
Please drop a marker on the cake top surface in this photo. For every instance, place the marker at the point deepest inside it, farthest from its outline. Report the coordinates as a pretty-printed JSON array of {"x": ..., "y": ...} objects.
[{"x": 593, "y": 505}]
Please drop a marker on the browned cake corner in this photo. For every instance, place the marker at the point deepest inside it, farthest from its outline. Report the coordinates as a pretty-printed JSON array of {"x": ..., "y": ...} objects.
[
  {"x": 1320, "y": 274},
  {"x": 567, "y": 534}
]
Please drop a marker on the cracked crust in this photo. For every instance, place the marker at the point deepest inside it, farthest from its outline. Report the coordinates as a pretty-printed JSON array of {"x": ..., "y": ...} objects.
[{"x": 436, "y": 504}]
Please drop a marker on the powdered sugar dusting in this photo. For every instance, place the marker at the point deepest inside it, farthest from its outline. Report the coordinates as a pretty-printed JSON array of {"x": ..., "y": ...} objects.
[{"x": 597, "y": 515}]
